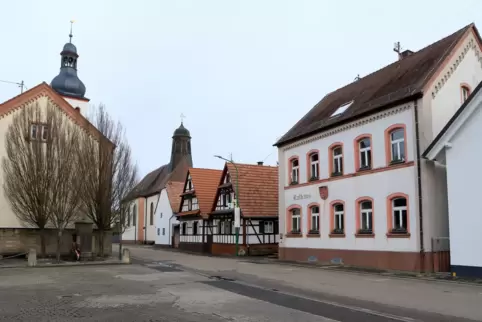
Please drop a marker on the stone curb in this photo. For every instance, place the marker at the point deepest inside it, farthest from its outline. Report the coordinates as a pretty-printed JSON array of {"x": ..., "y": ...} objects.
[{"x": 65, "y": 265}]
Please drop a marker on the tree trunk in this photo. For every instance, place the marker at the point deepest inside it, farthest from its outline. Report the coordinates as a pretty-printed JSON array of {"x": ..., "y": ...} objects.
[
  {"x": 120, "y": 246},
  {"x": 42, "y": 243},
  {"x": 59, "y": 244},
  {"x": 101, "y": 243}
]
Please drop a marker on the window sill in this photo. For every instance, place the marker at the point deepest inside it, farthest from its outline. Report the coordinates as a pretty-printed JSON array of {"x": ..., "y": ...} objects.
[
  {"x": 337, "y": 235},
  {"x": 294, "y": 235},
  {"x": 294, "y": 183},
  {"x": 364, "y": 169},
  {"x": 337, "y": 174},
  {"x": 313, "y": 179},
  {"x": 404, "y": 235},
  {"x": 313, "y": 235},
  {"x": 396, "y": 162},
  {"x": 364, "y": 235}
]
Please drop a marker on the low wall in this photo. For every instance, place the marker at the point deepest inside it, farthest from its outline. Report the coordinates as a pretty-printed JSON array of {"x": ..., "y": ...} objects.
[
  {"x": 252, "y": 250},
  {"x": 20, "y": 240}
]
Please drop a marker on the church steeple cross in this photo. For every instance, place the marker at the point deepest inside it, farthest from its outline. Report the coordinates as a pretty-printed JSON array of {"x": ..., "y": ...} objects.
[
  {"x": 70, "y": 35},
  {"x": 182, "y": 117}
]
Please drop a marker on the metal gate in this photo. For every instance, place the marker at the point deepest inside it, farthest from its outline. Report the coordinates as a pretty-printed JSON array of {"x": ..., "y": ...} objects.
[{"x": 440, "y": 254}]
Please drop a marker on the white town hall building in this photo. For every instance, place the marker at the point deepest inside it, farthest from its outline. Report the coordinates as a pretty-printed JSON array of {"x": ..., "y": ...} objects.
[{"x": 353, "y": 187}]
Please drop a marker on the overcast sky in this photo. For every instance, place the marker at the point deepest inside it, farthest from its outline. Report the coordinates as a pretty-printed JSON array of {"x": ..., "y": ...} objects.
[{"x": 243, "y": 72}]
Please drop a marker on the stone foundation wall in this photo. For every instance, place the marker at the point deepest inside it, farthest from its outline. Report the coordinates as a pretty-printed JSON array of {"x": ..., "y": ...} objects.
[{"x": 20, "y": 240}]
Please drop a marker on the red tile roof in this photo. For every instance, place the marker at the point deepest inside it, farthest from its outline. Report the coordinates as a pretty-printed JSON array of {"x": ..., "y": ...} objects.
[
  {"x": 258, "y": 189},
  {"x": 394, "y": 84},
  {"x": 205, "y": 182},
  {"x": 174, "y": 190}
]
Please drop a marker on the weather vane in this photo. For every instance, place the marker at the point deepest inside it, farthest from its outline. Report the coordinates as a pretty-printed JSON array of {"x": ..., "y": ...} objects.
[
  {"x": 182, "y": 117},
  {"x": 71, "y": 24}
]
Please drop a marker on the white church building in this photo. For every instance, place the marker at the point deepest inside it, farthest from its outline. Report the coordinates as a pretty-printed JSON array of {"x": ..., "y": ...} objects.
[
  {"x": 353, "y": 186},
  {"x": 457, "y": 147}
]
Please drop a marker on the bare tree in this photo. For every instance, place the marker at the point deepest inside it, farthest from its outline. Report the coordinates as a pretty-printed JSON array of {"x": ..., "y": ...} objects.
[
  {"x": 40, "y": 146},
  {"x": 66, "y": 204},
  {"x": 109, "y": 174}
]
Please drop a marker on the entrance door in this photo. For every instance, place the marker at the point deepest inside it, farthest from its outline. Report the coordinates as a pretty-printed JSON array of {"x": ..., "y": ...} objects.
[{"x": 176, "y": 237}]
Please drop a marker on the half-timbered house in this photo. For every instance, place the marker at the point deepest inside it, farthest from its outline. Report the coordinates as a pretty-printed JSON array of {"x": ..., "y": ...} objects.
[
  {"x": 256, "y": 190},
  {"x": 196, "y": 204}
]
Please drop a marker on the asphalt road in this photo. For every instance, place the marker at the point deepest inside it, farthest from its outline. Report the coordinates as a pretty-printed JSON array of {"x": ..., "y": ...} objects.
[
  {"x": 247, "y": 283},
  {"x": 153, "y": 289}
]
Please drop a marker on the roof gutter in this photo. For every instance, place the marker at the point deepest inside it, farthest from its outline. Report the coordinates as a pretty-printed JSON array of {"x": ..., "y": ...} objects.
[{"x": 419, "y": 186}]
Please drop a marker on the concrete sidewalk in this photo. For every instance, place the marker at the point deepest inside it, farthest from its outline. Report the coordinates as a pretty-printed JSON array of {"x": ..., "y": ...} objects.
[{"x": 460, "y": 300}]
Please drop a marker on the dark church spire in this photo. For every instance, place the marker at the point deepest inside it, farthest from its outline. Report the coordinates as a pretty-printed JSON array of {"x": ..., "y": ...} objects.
[
  {"x": 67, "y": 82},
  {"x": 181, "y": 147}
]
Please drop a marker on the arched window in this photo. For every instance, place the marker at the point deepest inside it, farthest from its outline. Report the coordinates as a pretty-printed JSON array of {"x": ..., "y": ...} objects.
[
  {"x": 364, "y": 153},
  {"x": 366, "y": 217},
  {"x": 152, "y": 214},
  {"x": 295, "y": 171},
  {"x": 399, "y": 215},
  {"x": 296, "y": 221},
  {"x": 338, "y": 218},
  {"x": 314, "y": 166},
  {"x": 465, "y": 92},
  {"x": 314, "y": 211},
  {"x": 337, "y": 159}
]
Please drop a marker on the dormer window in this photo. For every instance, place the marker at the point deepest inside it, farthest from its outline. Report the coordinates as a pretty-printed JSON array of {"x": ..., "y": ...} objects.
[
  {"x": 340, "y": 110},
  {"x": 189, "y": 186}
]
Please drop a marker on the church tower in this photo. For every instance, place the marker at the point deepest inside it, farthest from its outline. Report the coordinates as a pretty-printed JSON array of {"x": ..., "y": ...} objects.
[
  {"x": 181, "y": 147},
  {"x": 67, "y": 83}
]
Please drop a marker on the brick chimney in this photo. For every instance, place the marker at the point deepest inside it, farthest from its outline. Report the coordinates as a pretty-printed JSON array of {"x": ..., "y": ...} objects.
[{"x": 260, "y": 162}]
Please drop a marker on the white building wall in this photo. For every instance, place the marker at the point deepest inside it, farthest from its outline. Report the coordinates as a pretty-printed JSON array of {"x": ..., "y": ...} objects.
[
  {"x": 130, "y": 232},
  {"x": 151, "y": 227},
  {"x": 8, "y": 219},
  {"x": 164, "y": 220},
  {"x": 83, "y": 105},
  {"x": 463, "y": 68},
  {"x": 377, "y": 185},
  {"x": 464, "y": 176},
  {"x": 443, "y": 98}
]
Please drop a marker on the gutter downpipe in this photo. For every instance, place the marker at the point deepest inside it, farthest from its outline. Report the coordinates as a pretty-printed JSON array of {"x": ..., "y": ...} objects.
[
  {"x": 419, "y": 187},
  {"x": 145, "y": 220}
]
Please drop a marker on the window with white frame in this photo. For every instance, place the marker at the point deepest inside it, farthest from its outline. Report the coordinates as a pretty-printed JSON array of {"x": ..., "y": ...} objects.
[
  {"x": 268, "y": 227},
  {"x": 364, "y": 146},
  {"x": 465, "y": 93},
  {"x": 295, "y": 171},
  {"x": 399, "y": 213},
  {"x": 397, "y": 144},
  {"x": 184, "y": 228},
  {"x": 315, "y": 166},
  {"x": 39, "y": 132},
  {"x": 337, "y": 160},
  {"x": 189, "y": 185},
  {"x": 339, "y": 222},
  {"x": 296, "y": 221},
  {"x": 366, "y": 219},
  {"x": 315, "y": 219}
]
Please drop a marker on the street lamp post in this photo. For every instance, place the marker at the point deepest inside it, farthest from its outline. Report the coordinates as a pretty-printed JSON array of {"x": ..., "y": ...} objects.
[{"x": 237, "y": 211}]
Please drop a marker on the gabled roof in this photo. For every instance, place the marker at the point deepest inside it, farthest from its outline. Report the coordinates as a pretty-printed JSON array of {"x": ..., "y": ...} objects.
[
  {"x": 205, "y": 182},
  {"x": 258, "y": 189},
  {"x": 174, "y": 190},
  {"x": 43, "y": 89},
  {"x": 156, "y": 180},
  {"x": 394, "y": 84},
  {"x": 471, "y": 104}
]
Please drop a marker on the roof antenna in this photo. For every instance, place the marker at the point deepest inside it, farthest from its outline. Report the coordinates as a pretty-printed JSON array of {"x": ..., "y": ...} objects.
[
  {"x": 398, "y": 49},
  {"x": 70, "y": 35}
]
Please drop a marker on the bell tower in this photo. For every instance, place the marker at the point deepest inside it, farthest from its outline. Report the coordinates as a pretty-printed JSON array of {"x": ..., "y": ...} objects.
[
  {"x": 67, "y": 83},
  {"x": 181, "y": 147}
]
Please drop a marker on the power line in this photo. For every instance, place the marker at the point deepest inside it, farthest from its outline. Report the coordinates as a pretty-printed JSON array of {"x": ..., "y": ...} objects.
[{"x": 21, "y": 84}]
